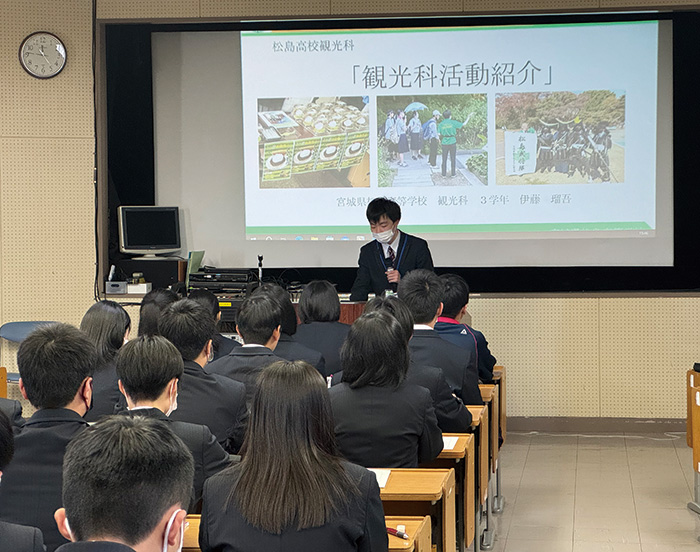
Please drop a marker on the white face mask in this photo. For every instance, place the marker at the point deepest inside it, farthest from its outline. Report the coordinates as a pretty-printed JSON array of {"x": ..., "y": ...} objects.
[
  {"x": 383, "y": 237},
  {"x": 167, "y": 532}
]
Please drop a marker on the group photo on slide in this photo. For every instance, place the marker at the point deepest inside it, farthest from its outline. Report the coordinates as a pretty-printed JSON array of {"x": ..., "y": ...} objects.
[
  {"x": 415, "y": 133},
  {"x": 560, "y": 137}
]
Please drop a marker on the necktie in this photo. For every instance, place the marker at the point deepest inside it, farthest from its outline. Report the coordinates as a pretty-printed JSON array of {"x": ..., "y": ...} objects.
[{"x": 392, "y": 257}]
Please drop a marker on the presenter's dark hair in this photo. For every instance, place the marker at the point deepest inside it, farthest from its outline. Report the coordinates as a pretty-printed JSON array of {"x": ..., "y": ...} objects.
[
  {"x": 422, "y": 291},
  {"x": 146, "y": 365},
  {"x": 7, "y": 441},
  {"x": 207, "y": 299},
  {"x": 152, "y": 306},
  {"x": 319, "y": 302},
  {"x": 188, "y": 326},
  {"x": 288, "y": 321},
  {"x": 396, "y": 308},
  {"x": 121, "y": 475},
  {"x": 455, "y": 294},
  {"x": 291, "y": 473},
  {"x": 383, "y": 206},
  {"x": 258, "y": 317},
  {"x": 53, "y": 362},
  {"x": 106, "y": 323},
  {"x": 375, "y": 352}
]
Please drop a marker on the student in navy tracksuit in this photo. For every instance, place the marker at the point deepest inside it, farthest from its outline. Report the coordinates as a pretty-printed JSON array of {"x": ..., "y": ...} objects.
[{"x": 454, "y": 301}]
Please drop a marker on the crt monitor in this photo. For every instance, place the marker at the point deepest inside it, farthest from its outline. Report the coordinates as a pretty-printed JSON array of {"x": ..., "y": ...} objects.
[{"x": 149, "y": 230}]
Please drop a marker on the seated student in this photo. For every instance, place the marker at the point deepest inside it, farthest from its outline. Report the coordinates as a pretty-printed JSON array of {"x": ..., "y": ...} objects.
[
  {"x": 258, "y": 323},
  {"x": 204, "y": 398},
  {"x": 381, "y": 421},
  {"x": 452, "y": 416},
  {"x": 149, "y": 369},
  {"x": 455, "y": 299},
  {"x": 152, "y": 306},
  {"x": 292, "y": 491},
  {"x": 421, "y": 291},
  {"x": 126, "y": 484},
  {"x": 107, "y": 325},
  {"x": 319, "y": 312},
  {"x": 287, "y": 346},
  {"x": 55, "y": 365},
  {"x": 13, "y": 537},
  {"x": 13, "y": 410},
  {"x": 222, "y": 345}
]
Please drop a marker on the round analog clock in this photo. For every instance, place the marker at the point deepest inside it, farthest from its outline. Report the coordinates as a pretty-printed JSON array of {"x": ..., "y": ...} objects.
[{"x": 42, "y": 55}]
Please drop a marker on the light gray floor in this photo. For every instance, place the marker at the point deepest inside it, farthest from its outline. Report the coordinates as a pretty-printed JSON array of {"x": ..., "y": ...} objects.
[{"x": 623, "y": 493}]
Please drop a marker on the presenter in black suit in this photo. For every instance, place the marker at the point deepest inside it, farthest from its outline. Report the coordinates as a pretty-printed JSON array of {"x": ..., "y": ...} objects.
[
  {"x": 292, "y": 491},
  {"x": 392, "y": 253},
  {"x": 126, "y": 485},
  {"x": 149, "y": 369},
  {"x": 13, "y": 537},
  {"x": 55, "y": 363}
]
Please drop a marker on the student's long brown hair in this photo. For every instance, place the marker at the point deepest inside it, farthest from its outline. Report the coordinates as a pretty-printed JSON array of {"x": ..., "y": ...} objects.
[{"x": 291, "y": 473}]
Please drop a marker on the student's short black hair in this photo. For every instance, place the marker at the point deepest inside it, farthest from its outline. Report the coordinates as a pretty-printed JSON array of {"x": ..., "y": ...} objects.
[
  {"x": 7, "y": 441},
  {"x": 375, "y": 351},
  {"x": 288, "y": 320},
  {"x": 152, "y": 306},
  {"x": 421, "y": 290},
  {"x": 106, "y": 323},
  {"x": 207, "y": 299},
  {"x": 455, "y": 294},
  {"x": 319, "y": 302},
  {"x": 188, "y": 326},
  {"x": 395, "y": 307},
  {"x": 53, "y": 362},
  {"x": 146, "y": 365},
  {"x": 121, "y": 475},
  {"x": 258, "y": 317},
  {"x": 383, "y": 206}
]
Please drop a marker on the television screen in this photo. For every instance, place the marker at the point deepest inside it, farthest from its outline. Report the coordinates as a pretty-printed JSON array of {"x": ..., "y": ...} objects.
[{"x": 149, "y": 230}]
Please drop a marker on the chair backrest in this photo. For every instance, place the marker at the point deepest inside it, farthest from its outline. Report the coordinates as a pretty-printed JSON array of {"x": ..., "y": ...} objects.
[
  {"x": 18, "y": 331},
  {"x": 3, "y": 382},
  {"x": 191, "y": 543}
]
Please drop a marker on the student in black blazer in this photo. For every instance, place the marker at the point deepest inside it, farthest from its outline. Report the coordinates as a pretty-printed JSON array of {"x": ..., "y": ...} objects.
[
  {"x": 13, "y": 410},
  {"x": 55, "y": 365},
  {"x": 127, "y": 482},
  {"x": 222, "y": 344},
  {"x": 204, "y": 398},
  {"x": 149, "y": 369},
  {"x": 319, "y": 312},
  {"x": 15, "y": 538},
  {"x": 258, "y": 323},
  {"x": 392, "y": 254},
  {"x": 421, "y": 291},
  {"x": 107, "y": 325},
  {"x": 381, "y": 420},
  {"x": 292, "y": 491}
]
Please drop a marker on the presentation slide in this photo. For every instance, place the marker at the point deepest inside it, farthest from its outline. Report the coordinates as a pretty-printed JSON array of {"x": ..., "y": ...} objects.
[
  {"x": 527, "y": 145},
  {"x": 546, "y": 129}
]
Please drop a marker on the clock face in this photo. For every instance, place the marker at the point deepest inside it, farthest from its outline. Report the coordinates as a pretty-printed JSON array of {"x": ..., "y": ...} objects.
[{"x": 42, "y": 55}]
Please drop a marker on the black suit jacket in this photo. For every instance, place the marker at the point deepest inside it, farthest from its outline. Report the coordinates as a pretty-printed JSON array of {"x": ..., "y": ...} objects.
[
  {"x": 209, "y": 457},
  {"x": 18, "y": 538},
  {"x": 326, "y": 337},
  {"x": 359, "y": 528},
  {"x": 214, "y": 401},
  {"x": 289, "y": 348},
  {"x": 95, "y": 546},
  {"x": 429, "y": 349},
  {"x": 244, "y": 364},
  {"x": 13, "y": 410},
  {"x": 383, "y": 427},
  {"x": 412, "y": 253},
  {"x": 223, "y": 345},
  {"x": 105, "y": 392},
  {"x": 30, "y": 491}
]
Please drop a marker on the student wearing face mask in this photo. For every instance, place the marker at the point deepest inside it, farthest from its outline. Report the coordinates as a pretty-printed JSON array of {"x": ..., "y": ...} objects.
[
  {"x": 126, "y": 484},
  {"x": 149, "y": 370},
  {"x": 390, "y": 255},
  {"x": 55, "y": 364}
]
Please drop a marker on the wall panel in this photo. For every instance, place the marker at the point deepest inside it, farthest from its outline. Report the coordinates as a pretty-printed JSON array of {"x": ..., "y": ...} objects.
[
  {"x": 235, "y": 9},
  {"x": 524, "y": 6},
  {"x": 406, "y": 7},
  {"x": 147, "y": 9}
]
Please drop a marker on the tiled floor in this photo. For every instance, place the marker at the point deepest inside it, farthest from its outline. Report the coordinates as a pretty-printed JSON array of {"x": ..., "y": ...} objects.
[{"x": 624, "y": 493}]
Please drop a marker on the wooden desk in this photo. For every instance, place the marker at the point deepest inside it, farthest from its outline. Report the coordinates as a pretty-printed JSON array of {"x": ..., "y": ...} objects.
[
  {"x": 349, "y": 312},
  {"x": 480, "y": 423},
  {"x": 411, "y": 491},
  {"x": 3, "y": 382},
  {"x": 489, "y": 394},
  {"x": 417, "y": 528},
  {"x": 191, "y": 541},
  {"x": 499, "y": 378}
]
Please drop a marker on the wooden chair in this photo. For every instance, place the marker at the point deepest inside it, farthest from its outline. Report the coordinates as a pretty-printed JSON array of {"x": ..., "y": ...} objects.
[
  {"x": 191, "y": 543},
  {"x": 418, "y": 531},
  {"x": 3, "y": 382}
]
